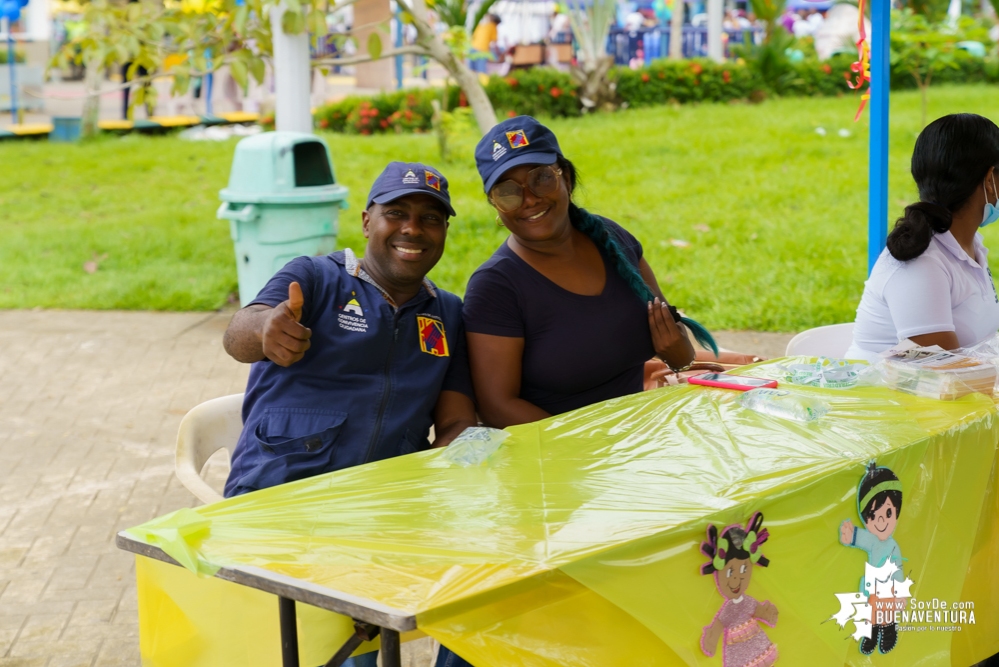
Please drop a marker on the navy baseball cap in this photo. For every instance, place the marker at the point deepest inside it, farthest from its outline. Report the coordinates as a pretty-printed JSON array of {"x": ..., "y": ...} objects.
[
  {"x": 515, "y": 141},
  {"x": 409, "y": 178}
]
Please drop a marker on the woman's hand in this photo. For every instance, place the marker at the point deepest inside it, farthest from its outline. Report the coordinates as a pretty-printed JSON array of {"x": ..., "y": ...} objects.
[{"x": 669, "y": 338}]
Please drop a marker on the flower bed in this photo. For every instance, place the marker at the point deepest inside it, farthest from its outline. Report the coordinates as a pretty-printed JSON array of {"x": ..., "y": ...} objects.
[{"x": 547, "y": 92}]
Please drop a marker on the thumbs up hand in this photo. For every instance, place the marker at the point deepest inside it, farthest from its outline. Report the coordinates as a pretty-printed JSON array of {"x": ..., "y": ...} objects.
[{"x": 285, "y": 340}]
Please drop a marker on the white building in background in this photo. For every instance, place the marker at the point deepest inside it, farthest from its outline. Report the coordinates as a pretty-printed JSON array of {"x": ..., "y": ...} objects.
[{"x": 37, "y": 21}]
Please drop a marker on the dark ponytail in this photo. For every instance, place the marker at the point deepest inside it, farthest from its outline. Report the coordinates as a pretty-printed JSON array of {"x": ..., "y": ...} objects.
[
  {"x": 597, "y": 230},
  {"x": 912, "y": 233},
  {"x": 949, "y": 162}
]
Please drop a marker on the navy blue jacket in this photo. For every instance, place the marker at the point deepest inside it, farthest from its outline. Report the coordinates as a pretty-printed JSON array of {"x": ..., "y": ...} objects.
[{"x": 366, "y": 388}]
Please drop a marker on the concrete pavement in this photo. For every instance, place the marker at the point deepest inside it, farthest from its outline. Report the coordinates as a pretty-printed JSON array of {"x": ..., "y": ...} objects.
[{"x": 90, "y": 403}]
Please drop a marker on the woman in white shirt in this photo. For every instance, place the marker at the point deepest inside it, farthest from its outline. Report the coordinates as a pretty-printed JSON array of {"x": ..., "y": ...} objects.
[{"x": 932, "y": 283}]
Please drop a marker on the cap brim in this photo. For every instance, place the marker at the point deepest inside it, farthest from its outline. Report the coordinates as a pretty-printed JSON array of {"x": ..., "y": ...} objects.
[
  {"x": 523, "y": 158},
  {"x": 397, "y": 194}
]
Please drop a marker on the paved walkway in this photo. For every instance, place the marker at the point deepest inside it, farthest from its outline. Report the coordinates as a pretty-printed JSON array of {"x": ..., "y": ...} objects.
[
  {"x": 90, "y": 403},
  {"x": 89, "y": 409}
]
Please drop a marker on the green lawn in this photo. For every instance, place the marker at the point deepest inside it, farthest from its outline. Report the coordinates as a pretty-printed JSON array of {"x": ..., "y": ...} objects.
[{"x": 774, "y": 213}]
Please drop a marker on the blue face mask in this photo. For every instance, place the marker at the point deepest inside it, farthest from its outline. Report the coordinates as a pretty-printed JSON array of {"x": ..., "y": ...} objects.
[{"x": 991, "y": 213}]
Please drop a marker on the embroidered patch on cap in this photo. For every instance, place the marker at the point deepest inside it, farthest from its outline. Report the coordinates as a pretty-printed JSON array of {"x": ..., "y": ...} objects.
[
  {"x": 432, "y": 338},
  {"x": 410, "y": 178},
  {"x": 433, "y": 180},
  {"x": 498, "y": 151},
  {"x": 517, "y": 139}
]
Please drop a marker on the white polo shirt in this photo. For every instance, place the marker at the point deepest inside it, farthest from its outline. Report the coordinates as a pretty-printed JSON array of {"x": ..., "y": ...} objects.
[{"x": 941, "y": 290}]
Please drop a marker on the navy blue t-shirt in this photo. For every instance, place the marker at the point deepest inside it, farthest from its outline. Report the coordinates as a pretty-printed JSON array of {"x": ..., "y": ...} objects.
[
  {"x": 578, "y": 350},
  {"x": 366, "y": 388}
]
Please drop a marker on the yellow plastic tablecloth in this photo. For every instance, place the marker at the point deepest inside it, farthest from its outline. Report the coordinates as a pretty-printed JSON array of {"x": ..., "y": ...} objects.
[{"x": 577, "y": 542}]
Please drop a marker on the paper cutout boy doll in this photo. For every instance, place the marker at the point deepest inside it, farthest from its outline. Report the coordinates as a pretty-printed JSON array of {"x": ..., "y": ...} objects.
[
  {"x": 733, "y": 555},
  {"x": 879, "y": 503}
]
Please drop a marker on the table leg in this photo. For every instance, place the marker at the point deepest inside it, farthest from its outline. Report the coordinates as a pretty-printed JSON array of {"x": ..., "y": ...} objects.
[
  {"x": 390, "y": 652},
  {"x": 289, "y": 632}
]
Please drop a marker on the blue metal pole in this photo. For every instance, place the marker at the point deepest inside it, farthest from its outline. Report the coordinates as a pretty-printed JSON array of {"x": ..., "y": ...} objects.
[
  {"x": 14, "y": 115},
  {"x": 877, "y": 213},
  {"x": 398, "y": 43},
  {"x": 209, "y": 81}
]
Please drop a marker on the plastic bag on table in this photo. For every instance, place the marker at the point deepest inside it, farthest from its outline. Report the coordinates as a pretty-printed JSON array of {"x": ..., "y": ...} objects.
[
  {"x": 933, "y": 372},
  {"x": 474, "y": 445},
  {"x": 830, "y": 374}
]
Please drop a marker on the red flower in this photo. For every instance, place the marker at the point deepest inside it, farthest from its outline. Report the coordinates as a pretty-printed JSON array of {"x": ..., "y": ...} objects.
[
  {"x": 511, "y": 113},
  {"x": 645, "y": 77},
  {"x": 827, "y": 68},
  {"x": 462, "y": 100},
  {"x": 510, "y": 81},
  {"x": 555, "y": 92},
  {"x": 365, "y": 121},
  {"x": 384, "y": 123},
  {"x": 696, "y": 68},
  {"x": 323, "y": 123},
  {"x": 726, "y": 76},
  {"x": 409, "y": 115}
]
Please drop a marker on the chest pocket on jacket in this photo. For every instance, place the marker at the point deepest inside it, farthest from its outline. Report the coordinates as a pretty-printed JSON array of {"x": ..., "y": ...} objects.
[{"x": 294, "y": 443}]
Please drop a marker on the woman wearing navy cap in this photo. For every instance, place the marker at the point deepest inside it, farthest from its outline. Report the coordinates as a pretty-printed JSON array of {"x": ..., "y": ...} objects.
[{"x": 567, "y": 311}]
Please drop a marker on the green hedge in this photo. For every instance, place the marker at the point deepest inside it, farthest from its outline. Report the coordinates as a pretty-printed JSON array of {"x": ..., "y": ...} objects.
[
  {"x": 543, "y": 91},
  {"x": 18, "y": 55}
]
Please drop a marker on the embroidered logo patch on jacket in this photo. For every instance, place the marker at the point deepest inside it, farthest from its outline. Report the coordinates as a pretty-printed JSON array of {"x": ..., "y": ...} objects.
[{"x": 432, "y": 337}]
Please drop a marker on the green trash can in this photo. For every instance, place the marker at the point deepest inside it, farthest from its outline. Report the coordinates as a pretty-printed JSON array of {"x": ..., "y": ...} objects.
[{"x": 282, "y": 202}]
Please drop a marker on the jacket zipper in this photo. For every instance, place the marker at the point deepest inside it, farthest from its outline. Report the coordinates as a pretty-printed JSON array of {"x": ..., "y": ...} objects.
[{"x": 388, "y": 389}]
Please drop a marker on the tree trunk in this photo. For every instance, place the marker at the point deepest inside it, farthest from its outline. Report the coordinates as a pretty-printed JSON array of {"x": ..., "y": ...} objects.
[
  {"x": 595, "y": 90},
  {"x": 467, "y": 80},
  {"x": 92, "y": 102},
  {"x": 676, "y": 30}
]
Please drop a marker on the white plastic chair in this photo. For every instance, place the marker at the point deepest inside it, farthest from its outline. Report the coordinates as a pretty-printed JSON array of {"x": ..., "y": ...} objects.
[
  {"x": 207, "y": 428},
  {"x": 829, "y": 341}
]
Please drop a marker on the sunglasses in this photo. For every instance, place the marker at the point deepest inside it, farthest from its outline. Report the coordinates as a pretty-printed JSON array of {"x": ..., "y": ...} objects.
[{"x": 508, "y": 196}]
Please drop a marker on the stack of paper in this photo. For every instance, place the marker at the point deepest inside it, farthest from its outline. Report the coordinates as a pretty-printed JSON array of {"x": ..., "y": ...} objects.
[{"x": 937, "y": 373}]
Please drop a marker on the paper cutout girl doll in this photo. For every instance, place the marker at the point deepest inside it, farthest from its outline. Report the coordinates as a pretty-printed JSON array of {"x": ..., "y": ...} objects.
[
  {"x": 879, "y": 503},
  {"x": 733, "y": 555}
]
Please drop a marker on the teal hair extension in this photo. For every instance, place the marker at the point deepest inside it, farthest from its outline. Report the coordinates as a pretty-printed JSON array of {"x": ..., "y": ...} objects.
[
  {"x": 701, "y": 335},
  {"x": 595, "y": 228}
]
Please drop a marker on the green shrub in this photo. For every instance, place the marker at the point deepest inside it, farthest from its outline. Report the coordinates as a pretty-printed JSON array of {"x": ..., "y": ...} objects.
[
  {"x": 18, "y": 55},
  {"x": 400, "y": 111},
  {"x": 539, "y": 91},
  {"x": 683, "y": 81},
  {"x": 964, "y": 68},
  {"x": 546, "y": 92}
]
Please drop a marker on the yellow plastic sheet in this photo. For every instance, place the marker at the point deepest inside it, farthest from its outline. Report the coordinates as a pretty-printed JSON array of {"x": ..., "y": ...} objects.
[{"x": 577, "y": 542}]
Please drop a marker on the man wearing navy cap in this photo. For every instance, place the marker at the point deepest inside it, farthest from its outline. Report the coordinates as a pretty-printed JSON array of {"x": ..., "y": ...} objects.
[{"x": 355, "y": 359}]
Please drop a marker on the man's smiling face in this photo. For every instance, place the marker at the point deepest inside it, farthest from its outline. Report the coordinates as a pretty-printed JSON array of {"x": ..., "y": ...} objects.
[
  {"x": 733, "y": 579},
  {"x": 883, "y": 523}
]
